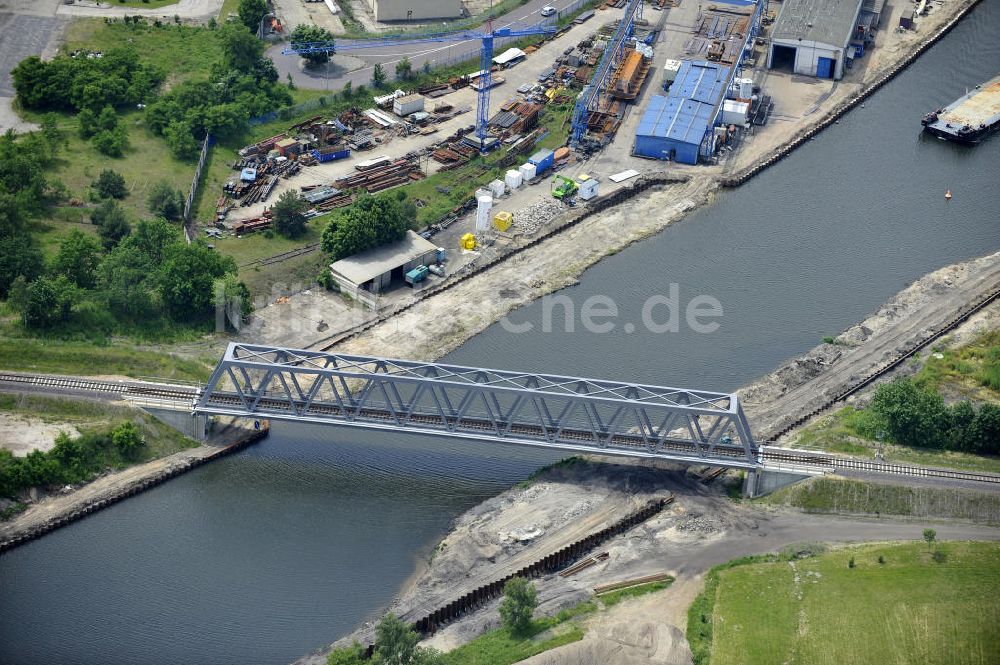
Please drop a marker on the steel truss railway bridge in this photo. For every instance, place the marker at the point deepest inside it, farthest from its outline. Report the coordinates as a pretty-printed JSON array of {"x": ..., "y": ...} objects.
[{"x": 559, "y": 412}]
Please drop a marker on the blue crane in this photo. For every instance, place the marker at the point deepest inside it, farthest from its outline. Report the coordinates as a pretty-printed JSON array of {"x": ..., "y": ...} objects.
[
  {"x": 589, "y": 100},
  {"x": 485, "y": 57}
]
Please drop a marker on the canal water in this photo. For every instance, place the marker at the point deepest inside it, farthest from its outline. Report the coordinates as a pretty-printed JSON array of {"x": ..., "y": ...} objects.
[{"x": 267, "y": 554}]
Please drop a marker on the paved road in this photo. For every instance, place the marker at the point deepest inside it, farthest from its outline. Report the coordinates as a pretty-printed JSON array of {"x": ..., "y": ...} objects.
[
  {"x": 187, "y": 9},
  {"x": 357, "y": 67}
]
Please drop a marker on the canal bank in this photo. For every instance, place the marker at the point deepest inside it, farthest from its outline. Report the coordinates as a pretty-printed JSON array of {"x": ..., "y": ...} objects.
[
  {"x": 60, "y": 510},
  {"x": 269, "y": 553}
]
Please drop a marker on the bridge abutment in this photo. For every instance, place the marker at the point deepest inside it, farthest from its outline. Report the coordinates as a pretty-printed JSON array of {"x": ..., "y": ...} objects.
[
  {"x": 194, "y": 425},
  {"x": 759, "y": 482}
]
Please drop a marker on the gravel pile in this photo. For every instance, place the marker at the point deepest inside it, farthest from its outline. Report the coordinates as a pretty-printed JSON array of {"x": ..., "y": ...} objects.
[{"x": 531, "y": 218}]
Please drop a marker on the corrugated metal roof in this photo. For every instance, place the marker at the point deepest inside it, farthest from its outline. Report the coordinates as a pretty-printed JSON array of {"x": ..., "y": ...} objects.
[
  {"x": 676, "y": 118},
  {"x": 701, "y": 81},
  {"x": 828, "y": 22}
]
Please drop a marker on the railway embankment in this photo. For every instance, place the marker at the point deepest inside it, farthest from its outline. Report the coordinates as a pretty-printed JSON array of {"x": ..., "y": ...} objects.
[{"x": 58, "y": 510}]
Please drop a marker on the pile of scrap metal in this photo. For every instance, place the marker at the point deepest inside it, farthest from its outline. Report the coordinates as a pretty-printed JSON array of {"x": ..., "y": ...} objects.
[
  {"x": 248, "y": 226},
  {"x": 453, "y": 154},
  {"x": 515, "y": 117},
  {"x": 398, "y": 172},
  {"x": 258, "y": 176},
  {"x": 324, "y": 198}
]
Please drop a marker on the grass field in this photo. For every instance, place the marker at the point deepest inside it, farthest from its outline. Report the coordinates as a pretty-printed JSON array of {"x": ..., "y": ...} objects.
[
  {"x": 85, "y": 415},
  {"x": 819, "y": 611},
  {"x": 839, "y": 495},
  {"x": 52, "y": 356},
  {"x": 971, "y": 370}
]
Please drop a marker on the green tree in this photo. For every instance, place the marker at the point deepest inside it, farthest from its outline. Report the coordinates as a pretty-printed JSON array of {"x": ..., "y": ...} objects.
[
  {"x": 128, "y": 439},
  {"x": 379, "y": 76},
  {"x": 308, "y": 33},
  {"x": 186, "y": 280},
  {"x": 930, "y": 535},
  {"x": 88, "y": 123},
  {"x": 112, "y": 226},
  {"x": 404, "y": 70},
  {"x": 251, "y": 13},
  {"x": 54, "y": 136},
  {"x": 107, "y": 120},
  {"x": 112, "y": 142},
  {"x": 179, "y": 139},
  {"x": 47, "y": 302},
  {"x": 395, "y": 642},
  {"x": 110, "y": 185},
  {"x": 352, "y": 655},
  {"x": 78, "y": 257},
  {"x": 910, "y": 415},
  {"x": 241, "y": 50},
  {"x": 984, "y": 436},
  {"x": 368, "y": 222},
  {"x": 288, "y": 216},
  {"x": 519, "y": 602},
  {"x": 19, "y": 257},
  {"x": 165, "y": 201},
  {"x": 234, "y": 296}
]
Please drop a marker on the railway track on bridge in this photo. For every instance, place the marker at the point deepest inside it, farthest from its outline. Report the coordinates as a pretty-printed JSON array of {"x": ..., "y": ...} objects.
[{"x": 769, "y": 457}]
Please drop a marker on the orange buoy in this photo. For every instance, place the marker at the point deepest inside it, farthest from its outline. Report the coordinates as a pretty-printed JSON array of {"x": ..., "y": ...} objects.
[{"x": 947, "y": 195}]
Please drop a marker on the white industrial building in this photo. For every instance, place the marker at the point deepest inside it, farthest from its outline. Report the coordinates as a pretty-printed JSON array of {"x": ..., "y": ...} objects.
[
  {"x": 812, "y": 37},
  {"x": 415, "y": 10}
]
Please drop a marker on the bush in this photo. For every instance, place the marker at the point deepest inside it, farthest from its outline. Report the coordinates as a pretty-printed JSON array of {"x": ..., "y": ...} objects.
[
  {"x": 288, "y": 216},
  {"x": 165, "y": 201},
  {"x": 110, "y": 185},
  {"x": 519, "y": 602},
  {"x": 305, "y": 33}
]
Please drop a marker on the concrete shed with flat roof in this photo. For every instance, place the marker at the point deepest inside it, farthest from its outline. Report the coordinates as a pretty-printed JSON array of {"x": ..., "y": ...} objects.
[
  {"x": 375, "y": 269},
  {"x": 812, "y": 37}
]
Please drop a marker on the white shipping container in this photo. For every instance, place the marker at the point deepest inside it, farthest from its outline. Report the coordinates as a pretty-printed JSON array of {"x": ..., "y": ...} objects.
[
  {"x": 528, "y": 171},
  {"x": 734, "y": 113},
  {"x": 497, "y": 188},
  {"x": 670, "y": 69},
  {"x": 485, "y": 204},
  {"x": 588, "y": 189},
  {"x": 514, "y": 179},
  {"x": 404, "y": 106}
]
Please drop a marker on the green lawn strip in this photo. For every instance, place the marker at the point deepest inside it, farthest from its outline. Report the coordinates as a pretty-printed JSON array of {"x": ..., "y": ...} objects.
[
  {"x": 838, "y": 433},
  {"x": 612, "y": 598},
  {"x": 909, "y": 609},
  {"x": 231, "y": 7},
  {"x": 499, "y": 647},
  {"x": 840, "y": 495},
  {"x": 52, "y": 356}
]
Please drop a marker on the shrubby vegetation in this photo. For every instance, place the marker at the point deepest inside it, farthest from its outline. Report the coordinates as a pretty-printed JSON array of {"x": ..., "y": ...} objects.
[
  {"x": 72, "y": 460},
  {"x": 368, "y": 222},
  {"x": 904, "y": 413},
  {"x": 76, "y": 83},
  {"x": 244, "y": 84}
]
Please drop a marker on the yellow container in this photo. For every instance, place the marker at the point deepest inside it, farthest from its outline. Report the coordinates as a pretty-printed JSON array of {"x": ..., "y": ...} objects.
[
  {"x": 468, "y": 241},
  {"x": 502, "y": 220}
]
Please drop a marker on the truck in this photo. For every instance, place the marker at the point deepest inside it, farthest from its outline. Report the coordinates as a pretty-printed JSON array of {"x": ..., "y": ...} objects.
[{"x": 563, "y": 187}]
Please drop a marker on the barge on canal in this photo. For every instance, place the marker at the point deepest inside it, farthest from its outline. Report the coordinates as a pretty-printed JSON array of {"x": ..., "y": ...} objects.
[{"x": 970, "y": 118}]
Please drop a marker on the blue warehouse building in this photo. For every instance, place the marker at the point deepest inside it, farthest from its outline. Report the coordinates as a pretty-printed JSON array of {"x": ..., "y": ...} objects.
[{"x": 679, "y": 127}]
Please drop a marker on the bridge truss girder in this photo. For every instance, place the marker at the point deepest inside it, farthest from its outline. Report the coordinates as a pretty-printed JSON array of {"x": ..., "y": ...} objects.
[{"x": 585, "y": 415}]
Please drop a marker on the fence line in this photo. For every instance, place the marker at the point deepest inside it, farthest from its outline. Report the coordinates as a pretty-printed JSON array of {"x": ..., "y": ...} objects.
[{"x": 189, "y": 232}]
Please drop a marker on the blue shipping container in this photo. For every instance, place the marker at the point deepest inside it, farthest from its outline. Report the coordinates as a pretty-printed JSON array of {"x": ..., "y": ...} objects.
[
  {"x": 330, "y": 156},
  {"x": 542, "y": 160}
]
